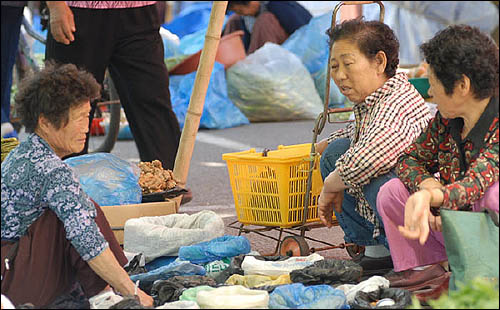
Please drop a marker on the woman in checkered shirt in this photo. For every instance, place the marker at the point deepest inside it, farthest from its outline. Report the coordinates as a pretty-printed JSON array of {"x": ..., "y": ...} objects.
[{"x": 356, "y": 161}]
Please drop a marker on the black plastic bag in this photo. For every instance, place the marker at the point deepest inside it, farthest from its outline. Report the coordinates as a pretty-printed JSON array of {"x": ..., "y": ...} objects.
[
  {"x": 363, "y": 300},
  {"x": 134, "y": 267},
  {"x": 170, "y": 290},
  {"x": 328, "y": 271}
]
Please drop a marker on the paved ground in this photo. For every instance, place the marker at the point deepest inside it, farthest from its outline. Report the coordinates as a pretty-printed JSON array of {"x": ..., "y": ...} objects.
[{"x": 209, "y": 180}]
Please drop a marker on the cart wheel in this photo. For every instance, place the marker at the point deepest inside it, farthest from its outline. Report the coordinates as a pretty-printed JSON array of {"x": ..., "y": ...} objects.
[
  {"x": 354, "y": 250},
  {"x": 294, "y": 246}
]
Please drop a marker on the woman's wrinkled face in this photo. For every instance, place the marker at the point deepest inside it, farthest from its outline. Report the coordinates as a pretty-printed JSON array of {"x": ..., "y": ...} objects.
[
  {"x": 354, "y": 74},
  {"x": 446, "y": 104},
  {"x": 70, "y": 138}
]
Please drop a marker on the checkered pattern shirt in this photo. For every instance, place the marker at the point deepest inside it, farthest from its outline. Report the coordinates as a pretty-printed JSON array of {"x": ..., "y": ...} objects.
[{"x": 388, "y": 121}]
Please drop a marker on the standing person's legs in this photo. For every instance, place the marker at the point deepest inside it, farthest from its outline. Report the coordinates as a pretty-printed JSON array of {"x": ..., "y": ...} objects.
[
  {"x": 141, "y": 79},
  {"x": 406, "y": 254},
  {"x": 11, "y": 26},
  {"x": 267, "y": 28},
  {"x": 91, "y": 49}
]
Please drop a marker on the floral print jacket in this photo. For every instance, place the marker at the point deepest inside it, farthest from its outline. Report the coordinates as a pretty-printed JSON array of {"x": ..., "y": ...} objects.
[
  {"x": 35, "y": 179},
  {"x": 466, "y": 168}
]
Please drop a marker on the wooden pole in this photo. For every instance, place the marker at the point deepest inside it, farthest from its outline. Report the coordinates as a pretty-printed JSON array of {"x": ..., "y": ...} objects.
[{"x": 197, "y": 100}]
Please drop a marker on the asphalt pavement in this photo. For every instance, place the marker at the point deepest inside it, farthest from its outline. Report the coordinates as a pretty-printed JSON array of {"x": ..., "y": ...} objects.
[{"x": 209, "y": 180}]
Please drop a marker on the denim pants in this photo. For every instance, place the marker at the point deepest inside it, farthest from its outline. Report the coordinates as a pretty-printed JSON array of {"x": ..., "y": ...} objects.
[{"x": 356, "y": 228}]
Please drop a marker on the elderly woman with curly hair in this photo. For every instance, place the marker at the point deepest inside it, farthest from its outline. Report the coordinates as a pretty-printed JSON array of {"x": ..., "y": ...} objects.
[
  {"x": 54, "y": 238},
  {"x": 390, "y": 114},
  {"x": 453, "y": 164}
]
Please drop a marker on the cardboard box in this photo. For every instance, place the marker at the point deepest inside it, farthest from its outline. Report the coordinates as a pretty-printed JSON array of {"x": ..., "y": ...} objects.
[{"x": 118, "y": 215}]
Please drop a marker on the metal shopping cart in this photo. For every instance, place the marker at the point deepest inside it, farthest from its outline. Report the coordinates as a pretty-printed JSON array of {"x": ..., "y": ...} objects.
[{"x": 279, "y": 189}]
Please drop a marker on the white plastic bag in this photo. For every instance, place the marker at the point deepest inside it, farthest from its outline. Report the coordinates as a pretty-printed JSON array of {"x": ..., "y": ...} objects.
[
  {"x": 251, "y": 265},
  {"x": 233, "y": 297},
  {"x": 156, "y": 236},
  {"x": 272, "y": 84},
  {"x": 104, "y": 300},
  {"x": 180, "y": 304},
  {"x": 370, "y": 285}
]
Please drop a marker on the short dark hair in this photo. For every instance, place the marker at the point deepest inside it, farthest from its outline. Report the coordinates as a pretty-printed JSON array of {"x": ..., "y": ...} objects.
[
  {"x": 462, "y": 49},
  {"x": 52, "y": 92},
  {"x": 370, "y": 37}
]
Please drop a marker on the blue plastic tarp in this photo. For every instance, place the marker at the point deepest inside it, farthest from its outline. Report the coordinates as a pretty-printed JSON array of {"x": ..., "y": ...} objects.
[{"x": 218, "y": 110}]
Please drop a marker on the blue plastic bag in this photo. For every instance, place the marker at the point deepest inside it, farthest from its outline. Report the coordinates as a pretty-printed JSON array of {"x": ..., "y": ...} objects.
[
  {"x": 107, "y": 179},
  {"x": 310, "y": 44},
  {"x": 218, "y": 111},
  {"x": 298, "y": 296},
  {"x": 215, "y": 249},
  {"x": 191, "y": 19},
  {"x": 176, "y": 268}
]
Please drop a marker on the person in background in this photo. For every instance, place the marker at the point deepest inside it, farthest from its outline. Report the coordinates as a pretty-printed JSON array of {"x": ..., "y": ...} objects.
[
  {"x": 54, "y": 237},
  {"x": 124, "y": 37},
  {"x": 453, "y": 164},
  {"x": 12, "y": 16},
  {"x": 356, "y": 161},
  {"x": 265, "y": 21}
]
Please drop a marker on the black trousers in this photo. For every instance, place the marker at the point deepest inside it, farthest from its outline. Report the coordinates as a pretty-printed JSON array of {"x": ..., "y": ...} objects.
[{"x": 128, "y": 43}]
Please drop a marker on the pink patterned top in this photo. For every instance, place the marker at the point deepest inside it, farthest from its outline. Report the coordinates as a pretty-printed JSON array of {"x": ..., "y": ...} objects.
[{"x": 108, "y": 4}]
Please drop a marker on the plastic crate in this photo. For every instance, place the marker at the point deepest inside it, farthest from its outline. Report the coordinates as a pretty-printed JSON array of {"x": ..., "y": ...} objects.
[{"x": 270, "y": 190}]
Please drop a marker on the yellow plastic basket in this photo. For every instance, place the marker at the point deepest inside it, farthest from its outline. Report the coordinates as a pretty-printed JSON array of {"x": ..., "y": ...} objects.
[{"x": 270, "y": 190}]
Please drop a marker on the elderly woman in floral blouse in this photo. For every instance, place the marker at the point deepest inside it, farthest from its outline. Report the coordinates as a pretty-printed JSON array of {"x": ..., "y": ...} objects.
[
  {"x": 453, "y": 164},
  {"x": 53, "y": 236}
]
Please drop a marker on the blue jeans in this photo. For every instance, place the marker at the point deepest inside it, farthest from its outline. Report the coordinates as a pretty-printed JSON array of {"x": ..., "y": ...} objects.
[
  {"x": 356, "y": 228},
  {"x": 11, "y": 26}
]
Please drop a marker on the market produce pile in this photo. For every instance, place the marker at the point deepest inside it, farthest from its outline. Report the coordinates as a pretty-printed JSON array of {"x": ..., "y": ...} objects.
[{"x": 154, "y": 178}]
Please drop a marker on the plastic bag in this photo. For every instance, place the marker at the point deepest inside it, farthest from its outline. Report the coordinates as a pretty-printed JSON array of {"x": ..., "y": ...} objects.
[
  {"x": 233, "y": 297},
  {"x": 218, "y": 111},
  {"x": 107, "y": 179},
  {"x": 272, "y": 84},
  {"x": 181, "y": 304},
  {"x": 328, "y": 271},
  {"x": 191, "y": 293},
  {"x": 157, "y": 236},
  {"x": 370, "y": 285},
  {"x": 177, "y": 268},
  {"x": 191, "y": 19},
  {"x": 298, "y": 296},
  {"x": 364, "y": 300},
  {"x": 471, "y": 242},
  {"x": 310, "y": 44},
  {"x": 215, "y": 249},
  {"x": 254, "y": 281},
  {"x": 170, "y": 290},
  {"x": 252, "y": 265}
]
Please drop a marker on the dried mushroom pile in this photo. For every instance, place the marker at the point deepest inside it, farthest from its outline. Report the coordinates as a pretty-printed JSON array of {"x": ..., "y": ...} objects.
[{"x": 154, "y": 178}]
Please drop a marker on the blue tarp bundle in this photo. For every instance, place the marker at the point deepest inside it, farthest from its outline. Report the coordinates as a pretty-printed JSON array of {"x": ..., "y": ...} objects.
[{"x": 218, "y": 111}]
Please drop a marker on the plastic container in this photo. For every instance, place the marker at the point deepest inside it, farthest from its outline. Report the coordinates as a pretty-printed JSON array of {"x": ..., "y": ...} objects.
[
  {"x": 270, "y": 190},
  {"x": 229, "y": 52}
]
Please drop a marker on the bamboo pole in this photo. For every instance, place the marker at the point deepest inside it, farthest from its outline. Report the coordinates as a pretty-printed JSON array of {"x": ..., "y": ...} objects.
[{"x": 197, "y": 100}]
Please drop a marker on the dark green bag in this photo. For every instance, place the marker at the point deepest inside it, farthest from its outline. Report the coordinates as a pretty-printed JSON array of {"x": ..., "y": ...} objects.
[{"x": 471, "y": 242}]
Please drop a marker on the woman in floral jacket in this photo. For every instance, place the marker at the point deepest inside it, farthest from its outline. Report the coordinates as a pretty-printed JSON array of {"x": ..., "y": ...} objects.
[{"x": 453, "y": 164}]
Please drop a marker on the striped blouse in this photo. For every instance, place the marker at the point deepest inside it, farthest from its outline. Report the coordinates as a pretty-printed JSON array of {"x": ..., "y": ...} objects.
[{"x": 387, "y": 122}]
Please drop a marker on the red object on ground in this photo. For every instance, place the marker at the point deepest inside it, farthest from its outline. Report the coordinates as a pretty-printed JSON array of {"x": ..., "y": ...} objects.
[{"x": 96, "y": 129}]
